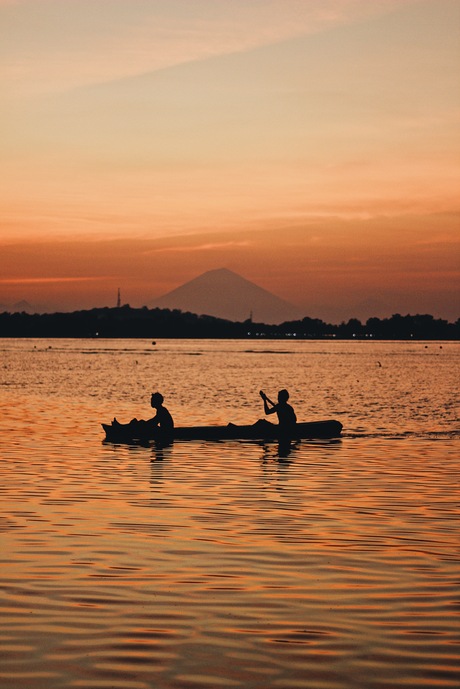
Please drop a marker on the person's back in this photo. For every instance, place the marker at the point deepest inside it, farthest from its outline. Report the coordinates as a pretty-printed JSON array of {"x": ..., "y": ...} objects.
[
  {"x": 286, "y": 415},
  {"x": 163, "y": 419}
]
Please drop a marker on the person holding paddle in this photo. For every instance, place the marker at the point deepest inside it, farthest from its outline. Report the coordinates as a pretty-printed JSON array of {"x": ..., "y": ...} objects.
[{"x": 285, "y": 412}]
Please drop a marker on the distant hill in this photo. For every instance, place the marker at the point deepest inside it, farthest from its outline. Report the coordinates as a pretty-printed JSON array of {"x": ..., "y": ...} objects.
[
  {"x": 224, "y": 294},
  {"x": 21, "y": 307}
]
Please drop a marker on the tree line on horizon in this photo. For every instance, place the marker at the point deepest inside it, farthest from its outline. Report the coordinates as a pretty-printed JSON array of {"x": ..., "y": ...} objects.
[{"x": 127, "y": 322}]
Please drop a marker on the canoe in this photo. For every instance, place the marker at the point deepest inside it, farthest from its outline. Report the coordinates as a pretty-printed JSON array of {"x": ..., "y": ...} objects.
[{"x": 261, "y": 430}]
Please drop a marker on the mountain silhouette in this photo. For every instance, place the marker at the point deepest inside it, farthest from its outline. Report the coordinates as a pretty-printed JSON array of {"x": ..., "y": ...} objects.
[
  {"x": 224, "y": 294},
  {"x": 22, "y": 306}
]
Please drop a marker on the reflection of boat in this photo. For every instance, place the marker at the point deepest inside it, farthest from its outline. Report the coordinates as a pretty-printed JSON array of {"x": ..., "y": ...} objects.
[{"x": 261, "y": 430}]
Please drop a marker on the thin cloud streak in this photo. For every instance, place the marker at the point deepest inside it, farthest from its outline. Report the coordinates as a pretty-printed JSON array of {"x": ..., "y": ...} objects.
[
  {"x": 154, "y": 38},
  {"x": 50, "y": 280},
  {"x": 198, "y": 247}
]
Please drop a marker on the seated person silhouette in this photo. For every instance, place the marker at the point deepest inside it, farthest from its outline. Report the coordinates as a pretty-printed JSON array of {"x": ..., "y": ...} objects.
[
  {"x": 286, "y": 415},
  {"x": 161, "y": 426},
  {"x": 162, "y": 419}
]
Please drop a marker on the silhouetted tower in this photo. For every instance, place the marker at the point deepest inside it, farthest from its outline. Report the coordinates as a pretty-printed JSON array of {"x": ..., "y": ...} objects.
[
  {"x": 118, "y": 299},
  {"x": 250, "y": 316}
]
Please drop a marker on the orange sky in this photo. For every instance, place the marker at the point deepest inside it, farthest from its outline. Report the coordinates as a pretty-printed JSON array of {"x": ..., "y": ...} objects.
[{"x": 312, "y": 147}]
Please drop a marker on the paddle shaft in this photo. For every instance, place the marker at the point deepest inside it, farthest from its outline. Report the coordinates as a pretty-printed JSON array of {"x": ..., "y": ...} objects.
[{"x": 265, "y": 398}]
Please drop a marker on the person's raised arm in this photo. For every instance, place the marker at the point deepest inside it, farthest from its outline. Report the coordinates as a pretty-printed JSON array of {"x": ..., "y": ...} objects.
[{"x": 267, "y": 401}]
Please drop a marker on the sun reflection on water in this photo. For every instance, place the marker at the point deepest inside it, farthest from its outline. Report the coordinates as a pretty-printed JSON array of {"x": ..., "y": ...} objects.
[{"x": 225, "y": 564}]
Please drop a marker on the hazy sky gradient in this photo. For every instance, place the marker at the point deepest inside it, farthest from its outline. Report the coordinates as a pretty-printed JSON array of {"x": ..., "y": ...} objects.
[{"x": 311, "y": 146}]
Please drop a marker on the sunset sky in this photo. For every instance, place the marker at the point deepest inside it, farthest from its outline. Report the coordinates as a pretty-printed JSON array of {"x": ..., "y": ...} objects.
[{"x": 312, "y": 146}]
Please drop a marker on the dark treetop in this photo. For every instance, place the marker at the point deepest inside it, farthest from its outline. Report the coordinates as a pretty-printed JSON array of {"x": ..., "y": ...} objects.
[{"x": 159, "y": 323}]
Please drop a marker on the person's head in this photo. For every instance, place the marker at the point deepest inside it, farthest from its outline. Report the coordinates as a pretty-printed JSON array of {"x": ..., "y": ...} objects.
[
  {"x": 156, "y": 400},
  {"x": 283, "y": 396}
]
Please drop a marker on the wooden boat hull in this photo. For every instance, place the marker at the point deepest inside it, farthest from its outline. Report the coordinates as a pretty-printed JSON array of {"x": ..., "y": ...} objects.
[{"x": 261, "y": 430}]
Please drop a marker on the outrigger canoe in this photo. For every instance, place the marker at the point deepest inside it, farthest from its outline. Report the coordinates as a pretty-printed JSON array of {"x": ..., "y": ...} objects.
[{"x": 123, "y": 433}]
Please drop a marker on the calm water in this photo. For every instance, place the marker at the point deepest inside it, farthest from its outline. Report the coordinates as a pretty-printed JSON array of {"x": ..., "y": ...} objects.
[{"x": 222, "y": 565}]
